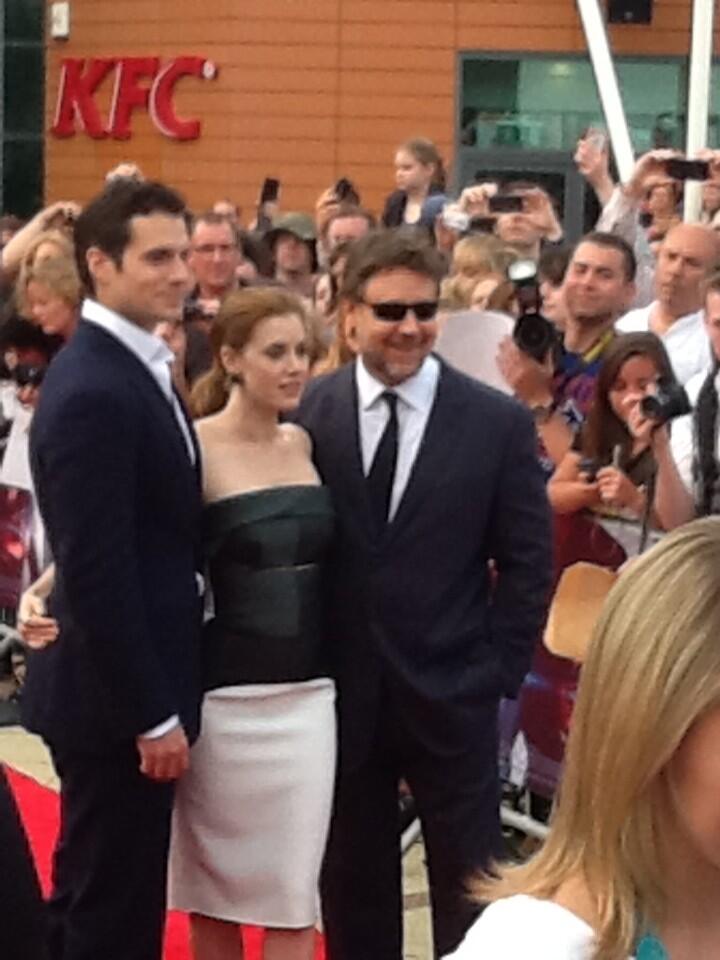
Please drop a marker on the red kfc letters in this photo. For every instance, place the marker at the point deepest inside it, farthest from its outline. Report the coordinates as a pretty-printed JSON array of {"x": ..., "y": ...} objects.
[{"x": 141, "y": 83}]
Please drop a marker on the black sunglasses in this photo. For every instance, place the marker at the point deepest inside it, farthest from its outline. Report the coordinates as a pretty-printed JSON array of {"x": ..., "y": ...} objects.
[{"x": 393, "y": 311}]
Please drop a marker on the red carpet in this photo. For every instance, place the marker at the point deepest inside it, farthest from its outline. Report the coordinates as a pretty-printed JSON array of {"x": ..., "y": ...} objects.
[{"x": 39, "y": 808}]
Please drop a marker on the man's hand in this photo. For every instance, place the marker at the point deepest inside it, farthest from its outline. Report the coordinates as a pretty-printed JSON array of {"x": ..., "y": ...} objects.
[
  {"x": 164, "y": 758},
  {"x": 125, "y": 171},
  {"x": 529, "y": 380},
  {"x": 60, "y": 214},
  {"x": 474, "y": 200},
  {"x": 539, "y": 209},
  {"x": 713, "y": 158},
  {"x": 326, "y": 206},
  {"x": 650, "y": 165},
  {"x": 592, "y": 162}
]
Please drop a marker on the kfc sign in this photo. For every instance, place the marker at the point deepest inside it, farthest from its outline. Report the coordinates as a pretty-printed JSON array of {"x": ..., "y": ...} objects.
[{"x": 141, "y": 83}]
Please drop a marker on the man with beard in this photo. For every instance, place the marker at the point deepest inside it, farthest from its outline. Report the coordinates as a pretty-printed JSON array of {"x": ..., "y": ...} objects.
[
  {"x": 687, "y": 257},
  {"x": 599, "y": 285},
  {"x": 432, "y": 476}
]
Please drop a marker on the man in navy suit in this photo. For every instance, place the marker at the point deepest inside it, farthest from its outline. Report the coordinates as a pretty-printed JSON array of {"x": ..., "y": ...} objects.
[
  {"x": 116, "y": 471},
  {"x": 439, "y": 587}
]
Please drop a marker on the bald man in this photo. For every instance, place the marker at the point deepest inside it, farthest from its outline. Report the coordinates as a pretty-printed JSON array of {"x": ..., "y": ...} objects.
[{"x": 689, "y": 254}]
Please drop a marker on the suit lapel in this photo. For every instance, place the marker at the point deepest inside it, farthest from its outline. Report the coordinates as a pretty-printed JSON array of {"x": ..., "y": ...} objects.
[
  {"x": 347, "y": 425},
  {"x": 146, "y": 382}
]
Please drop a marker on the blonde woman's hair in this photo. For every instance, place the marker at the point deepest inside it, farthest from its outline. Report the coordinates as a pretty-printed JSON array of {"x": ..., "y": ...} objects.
[
  {"x": 64, "y": 250},
  {"x": 59, "y": 275},
  {"x": 653, "y": 670},
  {"x": 239, "y": 315},
  {"x": 473, "y": 258},
  {"x": 475, "y": 254}
]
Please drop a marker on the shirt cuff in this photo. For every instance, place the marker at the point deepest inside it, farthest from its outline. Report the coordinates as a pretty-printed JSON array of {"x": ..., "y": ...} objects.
[{"x": 162, "y": 728}]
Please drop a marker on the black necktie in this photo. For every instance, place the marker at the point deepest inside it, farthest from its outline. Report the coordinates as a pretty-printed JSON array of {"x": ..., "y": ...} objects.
[{"x": 382, "y": 472}]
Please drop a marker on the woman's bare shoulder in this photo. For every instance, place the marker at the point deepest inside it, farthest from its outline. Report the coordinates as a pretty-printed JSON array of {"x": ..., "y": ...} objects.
[{"x": 298, "y": 436}]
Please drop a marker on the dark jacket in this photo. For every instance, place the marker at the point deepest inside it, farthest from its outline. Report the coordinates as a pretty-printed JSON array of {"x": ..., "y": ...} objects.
[
  {"x": 121, "y": 503},
  {"x": 414, "y": 611},
  {"x": 394, "y": 212}
]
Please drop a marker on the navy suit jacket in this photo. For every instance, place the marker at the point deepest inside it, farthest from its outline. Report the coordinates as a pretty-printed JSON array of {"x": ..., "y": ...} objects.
[
  {"x": 414, "y": 609},
  {"x": 121, "y": 503}
]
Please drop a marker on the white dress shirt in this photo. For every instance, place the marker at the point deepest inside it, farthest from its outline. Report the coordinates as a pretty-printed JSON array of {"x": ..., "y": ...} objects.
[
  {"x": 682, "y": 432},
  {"x": 154, "y": 354},
  {"x": 686, "y": 341},
  {"x": 150, "y": 350},
  {"x": 415, "y": 401}
]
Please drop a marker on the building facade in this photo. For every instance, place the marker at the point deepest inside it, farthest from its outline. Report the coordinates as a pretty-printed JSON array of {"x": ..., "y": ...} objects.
[{"x": 311, "y": 91}]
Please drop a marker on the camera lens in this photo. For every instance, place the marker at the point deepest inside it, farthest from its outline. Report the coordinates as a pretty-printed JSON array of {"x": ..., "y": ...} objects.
[
  {"x": 535, "y": 335},
  {"x": 652, "y": 408},
  {"x": 669, "y": 402}
]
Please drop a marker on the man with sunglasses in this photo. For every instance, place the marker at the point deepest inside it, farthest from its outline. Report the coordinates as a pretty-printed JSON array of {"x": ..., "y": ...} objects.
[{"x": 437, "y": 591}]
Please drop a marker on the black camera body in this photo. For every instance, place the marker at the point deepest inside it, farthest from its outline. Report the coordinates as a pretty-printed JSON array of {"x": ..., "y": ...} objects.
[
  {"x": 669, "y": 402},
  {"x": 535, "y": 335}
]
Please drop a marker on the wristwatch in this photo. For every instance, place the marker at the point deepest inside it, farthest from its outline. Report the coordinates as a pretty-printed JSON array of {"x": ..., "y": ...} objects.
[{"x": 542, "y": 412}]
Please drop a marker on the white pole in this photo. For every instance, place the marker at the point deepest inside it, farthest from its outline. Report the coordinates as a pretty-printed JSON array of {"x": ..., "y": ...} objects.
[
  {"x": 698, "y": 96},
  {"x": 607, "y": 84}
]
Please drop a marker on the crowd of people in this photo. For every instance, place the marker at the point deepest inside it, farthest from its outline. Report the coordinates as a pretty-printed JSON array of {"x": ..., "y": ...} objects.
[{"x": 285, "y": 556}]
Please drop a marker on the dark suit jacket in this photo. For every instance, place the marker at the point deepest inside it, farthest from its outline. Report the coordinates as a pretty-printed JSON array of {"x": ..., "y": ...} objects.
[
  {"x": 414, "y": 611},
  {"x": 121, "y": 502}
]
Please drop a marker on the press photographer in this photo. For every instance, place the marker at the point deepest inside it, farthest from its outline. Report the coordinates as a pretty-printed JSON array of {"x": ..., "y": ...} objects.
[
  {"x": 599, "y": 285},
  {"x": 610, "y": 467}
]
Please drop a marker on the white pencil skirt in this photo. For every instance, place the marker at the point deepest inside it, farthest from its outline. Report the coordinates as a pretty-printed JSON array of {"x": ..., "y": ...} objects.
[{"x": 251, "y": 815}]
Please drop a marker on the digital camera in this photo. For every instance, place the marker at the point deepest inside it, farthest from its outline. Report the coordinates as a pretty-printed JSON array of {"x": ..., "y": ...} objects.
[{"x": 669, "y": 402}]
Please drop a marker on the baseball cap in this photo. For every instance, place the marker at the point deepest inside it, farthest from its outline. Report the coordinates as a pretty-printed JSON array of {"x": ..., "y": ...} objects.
[{"x": 300, "y": 225}]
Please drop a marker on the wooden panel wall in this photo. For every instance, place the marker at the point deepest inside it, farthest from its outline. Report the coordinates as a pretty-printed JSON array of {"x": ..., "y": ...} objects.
[{"x": 308, "y": 90}]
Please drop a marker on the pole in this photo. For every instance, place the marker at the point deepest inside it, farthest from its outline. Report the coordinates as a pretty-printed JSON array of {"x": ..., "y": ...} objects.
[
  {"x": 607, "y": 84},
  {"x": 698, "y": 96}
]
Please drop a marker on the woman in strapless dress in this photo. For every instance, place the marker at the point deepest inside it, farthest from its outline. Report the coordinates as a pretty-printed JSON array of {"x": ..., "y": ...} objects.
[{"x": 251, "y": 815}]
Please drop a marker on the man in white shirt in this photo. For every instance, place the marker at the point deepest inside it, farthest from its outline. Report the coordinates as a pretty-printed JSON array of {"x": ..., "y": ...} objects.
[
  {"x": 115, "y": 466},
  {"x": 688, "y": 457},
  {"x": 687, "y": 257},
  {"x": 433, "y": 475}
]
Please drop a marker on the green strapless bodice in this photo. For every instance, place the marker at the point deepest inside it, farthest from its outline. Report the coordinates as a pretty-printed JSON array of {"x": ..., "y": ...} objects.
[{"x": 265, "y": 551}]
